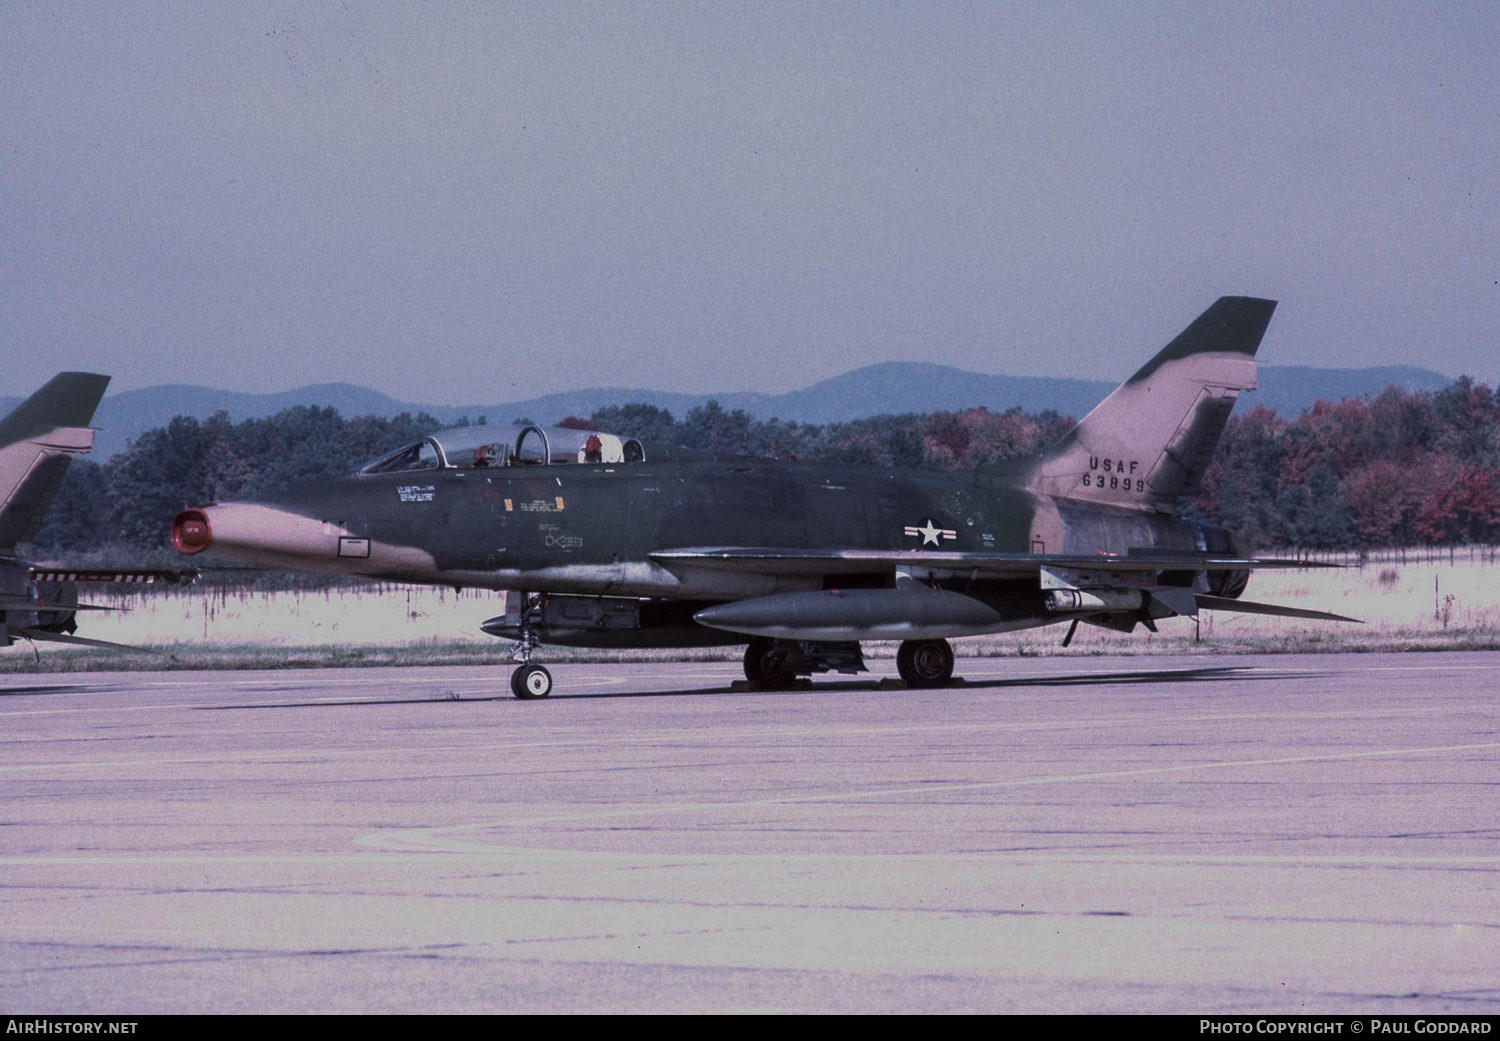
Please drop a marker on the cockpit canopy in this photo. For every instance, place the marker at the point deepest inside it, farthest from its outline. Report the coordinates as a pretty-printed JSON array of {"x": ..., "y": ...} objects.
[{"x": 479, "y": 447}]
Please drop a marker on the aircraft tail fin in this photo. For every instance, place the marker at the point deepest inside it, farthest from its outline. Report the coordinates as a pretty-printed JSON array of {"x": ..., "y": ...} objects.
[
  {"x": 37, "y": 442},
  {"x": 1149, "y": 442}
]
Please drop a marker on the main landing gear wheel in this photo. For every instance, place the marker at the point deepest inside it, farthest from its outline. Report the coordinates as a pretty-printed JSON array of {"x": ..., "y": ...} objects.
[
  {"x": 925, "y": 663},
  {"x": 765, "y": 664},
  {"x": 530, "y": 682}
]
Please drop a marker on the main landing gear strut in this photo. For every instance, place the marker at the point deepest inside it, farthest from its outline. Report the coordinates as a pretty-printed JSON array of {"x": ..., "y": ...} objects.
[
  {"x": 768, "y": 663},
  {"x": 778, "y": 663}
]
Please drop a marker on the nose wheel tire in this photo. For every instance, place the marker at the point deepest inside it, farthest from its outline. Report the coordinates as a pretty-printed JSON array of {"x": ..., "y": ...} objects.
[
  {"x": 925, "y": 663},
  {"x": 530, "y": 682}
]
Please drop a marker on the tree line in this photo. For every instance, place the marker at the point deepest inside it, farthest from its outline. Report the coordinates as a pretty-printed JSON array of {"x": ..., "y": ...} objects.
[{"x": 1403, "y": 468}]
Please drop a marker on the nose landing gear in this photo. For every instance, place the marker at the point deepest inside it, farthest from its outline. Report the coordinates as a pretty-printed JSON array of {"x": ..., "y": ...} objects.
[{"x": 529, "y": 682}]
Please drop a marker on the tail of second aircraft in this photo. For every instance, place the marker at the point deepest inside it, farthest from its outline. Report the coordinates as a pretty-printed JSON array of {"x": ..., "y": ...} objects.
[
  {"x": 37, "y": 442},
  {"x": 1149, "y": 442}
]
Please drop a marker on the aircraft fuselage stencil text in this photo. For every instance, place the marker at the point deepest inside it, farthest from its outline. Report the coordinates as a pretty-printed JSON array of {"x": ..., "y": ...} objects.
[{"x": 1115, "y": 474}]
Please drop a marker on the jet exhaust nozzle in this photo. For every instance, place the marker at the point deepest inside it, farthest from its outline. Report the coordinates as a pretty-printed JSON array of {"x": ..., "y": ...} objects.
[{"x": 191, "y": 532}]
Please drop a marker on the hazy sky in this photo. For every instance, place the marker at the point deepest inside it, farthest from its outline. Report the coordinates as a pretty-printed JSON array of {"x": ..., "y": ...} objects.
[{"x": 480, "y": 202}]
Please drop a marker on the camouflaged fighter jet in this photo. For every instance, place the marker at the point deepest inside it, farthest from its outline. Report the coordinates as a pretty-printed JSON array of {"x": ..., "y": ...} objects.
[
  {"x": 38, "y": 441},
  {"x": 606, "y": 542}
]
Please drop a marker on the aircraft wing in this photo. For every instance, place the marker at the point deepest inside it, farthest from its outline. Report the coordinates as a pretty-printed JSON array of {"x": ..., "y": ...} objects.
[
  {"x": 12, "y": 602},
  {"x": 1135, "y": 570},
  {"x": 53, "y": 590},
  {"x": 177, "y": 576},
  {"x": 133, "y": 576},
  {"x": 1221, "y": 603},
  {"x": 860, "y": 561}
]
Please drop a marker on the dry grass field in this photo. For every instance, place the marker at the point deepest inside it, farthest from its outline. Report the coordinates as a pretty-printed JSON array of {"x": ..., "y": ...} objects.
[{"x": 1415, "y": 601}]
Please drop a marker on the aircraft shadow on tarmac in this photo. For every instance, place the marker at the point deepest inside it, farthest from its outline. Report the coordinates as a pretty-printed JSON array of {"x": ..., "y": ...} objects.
[
  {"x": 1222, "y": 672},
  {"x": 1085, "y": 679},
  {"x": 1234, "y": 673},
  {"x": 54, "y": 688}
]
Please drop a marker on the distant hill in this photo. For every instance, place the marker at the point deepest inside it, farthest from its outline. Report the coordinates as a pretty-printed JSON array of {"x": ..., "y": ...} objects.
[
  {"x": 890, "y": 387},
  {"x": 1291, "y": 390}
]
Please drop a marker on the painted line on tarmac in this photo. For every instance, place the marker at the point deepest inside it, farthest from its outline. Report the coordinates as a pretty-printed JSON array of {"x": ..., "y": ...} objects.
[
  {"x": 675, "y": 737},
  {"x": 448, "y": 839}
]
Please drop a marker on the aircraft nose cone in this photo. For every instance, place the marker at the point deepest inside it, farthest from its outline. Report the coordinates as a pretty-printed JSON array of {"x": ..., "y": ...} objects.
[{"x": 191, "y": 532}]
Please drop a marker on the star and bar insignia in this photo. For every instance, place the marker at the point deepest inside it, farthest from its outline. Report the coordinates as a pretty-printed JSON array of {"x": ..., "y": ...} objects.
[{"x": 930, "y": 532}]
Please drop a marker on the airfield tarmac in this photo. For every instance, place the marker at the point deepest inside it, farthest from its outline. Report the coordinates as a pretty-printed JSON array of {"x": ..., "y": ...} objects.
[{"x": 1193, "y": 835}]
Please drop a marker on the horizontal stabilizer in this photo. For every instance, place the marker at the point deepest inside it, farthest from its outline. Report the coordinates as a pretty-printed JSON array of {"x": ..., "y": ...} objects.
[
  {"x": 1221, "y": 603},
  {"x": 42, "y": 635}
]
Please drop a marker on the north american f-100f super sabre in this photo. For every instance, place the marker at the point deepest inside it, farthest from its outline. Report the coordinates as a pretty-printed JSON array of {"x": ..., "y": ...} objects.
[{"x": 602, "y": 541}]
